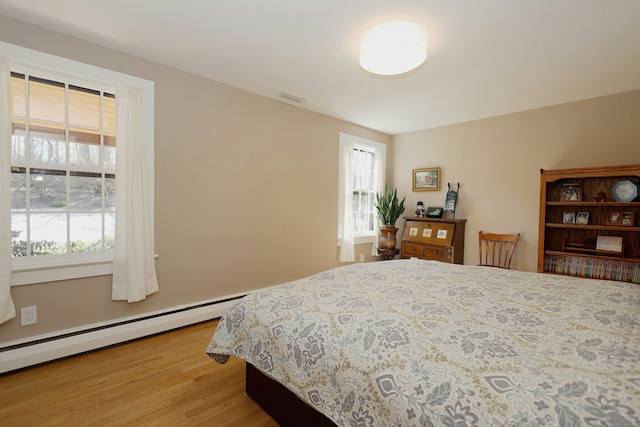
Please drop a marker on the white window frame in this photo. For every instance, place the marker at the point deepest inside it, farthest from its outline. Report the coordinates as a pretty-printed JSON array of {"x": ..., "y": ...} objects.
[
  {"x": 48, "y": 269},
  {"x": 380, "y": 150}
]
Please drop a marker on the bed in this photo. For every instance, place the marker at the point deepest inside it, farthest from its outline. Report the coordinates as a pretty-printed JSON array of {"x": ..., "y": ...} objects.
[{"x": 421, "y": 343}]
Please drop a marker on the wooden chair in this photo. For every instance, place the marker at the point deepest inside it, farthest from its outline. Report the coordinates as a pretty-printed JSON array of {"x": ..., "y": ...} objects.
[{"x": 496, "y": 250}]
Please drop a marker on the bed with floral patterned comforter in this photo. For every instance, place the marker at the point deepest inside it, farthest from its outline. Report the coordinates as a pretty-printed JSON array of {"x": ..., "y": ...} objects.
[{"x": 419, "y": 343}]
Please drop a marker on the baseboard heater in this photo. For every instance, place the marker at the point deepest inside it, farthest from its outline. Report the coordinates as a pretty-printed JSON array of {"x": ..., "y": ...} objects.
[{"x": 36, "y": 350}]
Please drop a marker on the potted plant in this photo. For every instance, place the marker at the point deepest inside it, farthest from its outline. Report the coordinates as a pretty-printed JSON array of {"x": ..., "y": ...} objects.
[{"x": 389, "y": 210}]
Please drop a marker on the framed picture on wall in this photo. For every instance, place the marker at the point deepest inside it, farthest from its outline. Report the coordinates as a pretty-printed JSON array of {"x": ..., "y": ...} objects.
[{"x": 427, "y": 179}]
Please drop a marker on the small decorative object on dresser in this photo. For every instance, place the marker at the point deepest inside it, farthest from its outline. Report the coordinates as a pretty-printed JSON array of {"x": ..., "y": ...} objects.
[
  {"x": 450, "y": 202},
  {"x": 571, "y": 193},
  {"x": 434, "y": 212},
  {"x": 427, "y": 179},
  {"x": 420, "y": 210}
]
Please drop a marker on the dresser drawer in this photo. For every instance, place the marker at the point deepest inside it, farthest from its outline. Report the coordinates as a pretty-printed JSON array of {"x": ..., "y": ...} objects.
[
  {"x": 410, "y": 249},
  {"x": 437, "y": 253}
]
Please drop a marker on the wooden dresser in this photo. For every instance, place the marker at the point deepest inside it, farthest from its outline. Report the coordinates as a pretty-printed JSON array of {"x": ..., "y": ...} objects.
[{"x": 433, "y": 239}]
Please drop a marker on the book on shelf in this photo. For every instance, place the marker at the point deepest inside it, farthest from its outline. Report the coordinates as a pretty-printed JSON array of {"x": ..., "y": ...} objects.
[{"x": 593, "y": 268}]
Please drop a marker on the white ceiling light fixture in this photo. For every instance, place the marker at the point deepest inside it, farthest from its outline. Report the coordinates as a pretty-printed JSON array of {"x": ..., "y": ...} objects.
[{"x": 393, "y": 48}]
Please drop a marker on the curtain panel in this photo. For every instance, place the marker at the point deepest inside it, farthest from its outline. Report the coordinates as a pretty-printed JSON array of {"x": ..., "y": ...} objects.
[
  {"x": 134, "y": 273},
  {"x": 346, "y": 250},
  {"x": 7, "y": 308}
]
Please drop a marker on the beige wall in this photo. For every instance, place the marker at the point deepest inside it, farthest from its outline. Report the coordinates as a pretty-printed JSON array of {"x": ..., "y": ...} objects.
[
  {"x": 245, "y": 192},
  {"x": 498, "y": 160}
]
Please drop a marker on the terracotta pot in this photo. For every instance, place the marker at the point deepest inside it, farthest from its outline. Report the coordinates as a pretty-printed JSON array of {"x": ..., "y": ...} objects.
[{"x": 388, "y": 237}]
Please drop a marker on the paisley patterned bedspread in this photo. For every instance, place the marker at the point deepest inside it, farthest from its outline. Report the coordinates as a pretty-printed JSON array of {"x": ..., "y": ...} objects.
[{"x": 420, "y": 343}]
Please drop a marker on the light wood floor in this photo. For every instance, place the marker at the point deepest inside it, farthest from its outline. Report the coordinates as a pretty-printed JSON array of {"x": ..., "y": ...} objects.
[{"x": 164, "y": 380}]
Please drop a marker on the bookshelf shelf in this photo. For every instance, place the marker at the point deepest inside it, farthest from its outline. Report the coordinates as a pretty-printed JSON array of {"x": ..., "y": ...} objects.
[{"x": 592, "y": 227}]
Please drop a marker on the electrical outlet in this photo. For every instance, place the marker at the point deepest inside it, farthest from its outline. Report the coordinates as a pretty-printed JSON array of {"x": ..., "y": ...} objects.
[{"x": 28, "y": 315}]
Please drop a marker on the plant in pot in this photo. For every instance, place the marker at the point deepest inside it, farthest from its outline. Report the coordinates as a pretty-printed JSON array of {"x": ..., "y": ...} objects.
[{"x": 389, "y": 210}]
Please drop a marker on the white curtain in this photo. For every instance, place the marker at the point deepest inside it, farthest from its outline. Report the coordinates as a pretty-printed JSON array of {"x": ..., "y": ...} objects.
[
  {"x": 7, "y": 309},
  {"x": 346, "y": 250},
  {"x": 134, "y": 273},
  {"x": 379, "y": 183}
]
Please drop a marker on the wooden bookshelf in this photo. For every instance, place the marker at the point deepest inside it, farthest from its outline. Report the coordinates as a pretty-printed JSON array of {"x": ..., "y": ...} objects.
[{"x": 581, "y": 207}]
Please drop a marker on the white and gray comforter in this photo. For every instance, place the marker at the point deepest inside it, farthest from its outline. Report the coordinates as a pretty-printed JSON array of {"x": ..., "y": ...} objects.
[{"x": 420, "y": 343}]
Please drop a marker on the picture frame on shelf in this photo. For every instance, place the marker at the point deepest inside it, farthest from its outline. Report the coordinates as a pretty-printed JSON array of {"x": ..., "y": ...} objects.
[
  {"x": 609, "y": 244},
  {"x": 426, "y": 179},
  {"x": 571, "y": 192},
  {"x": 434, "y": 212},
  {"x": 568, "y": 217},
  {"x": 613, "y": 218},
  {"x": 628, "y": 218},
  {"x": 582, "y": 218}
]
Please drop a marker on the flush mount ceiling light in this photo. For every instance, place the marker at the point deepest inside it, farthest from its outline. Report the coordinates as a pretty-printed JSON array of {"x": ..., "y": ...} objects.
[{"x": 393, "y": 48}]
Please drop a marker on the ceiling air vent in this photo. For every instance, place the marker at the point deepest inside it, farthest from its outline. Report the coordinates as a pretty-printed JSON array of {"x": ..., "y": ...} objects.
[{"x": 291, "y": 97}]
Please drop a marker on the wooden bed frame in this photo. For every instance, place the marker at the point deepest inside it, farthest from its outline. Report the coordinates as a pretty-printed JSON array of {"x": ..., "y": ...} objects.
[{"x": 283, "y": 406}]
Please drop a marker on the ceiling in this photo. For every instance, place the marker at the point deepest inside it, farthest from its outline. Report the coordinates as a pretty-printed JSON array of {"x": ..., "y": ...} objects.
[{"x": 485, "y": 57}]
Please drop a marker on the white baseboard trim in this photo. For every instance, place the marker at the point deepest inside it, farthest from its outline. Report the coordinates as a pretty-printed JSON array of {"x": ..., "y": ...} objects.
[{"x": 101, "y": 335}]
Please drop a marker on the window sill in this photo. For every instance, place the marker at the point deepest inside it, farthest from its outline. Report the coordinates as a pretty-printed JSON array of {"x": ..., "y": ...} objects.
[
  {"x": 29, "y": 275},
  {"x": 361, "y": 240}
]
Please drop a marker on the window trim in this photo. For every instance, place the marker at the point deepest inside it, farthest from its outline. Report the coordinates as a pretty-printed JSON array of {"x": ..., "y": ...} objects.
[{"x": 48, "y": 65}]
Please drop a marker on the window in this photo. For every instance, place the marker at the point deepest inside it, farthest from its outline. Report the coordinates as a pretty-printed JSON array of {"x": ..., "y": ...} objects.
[
  {"x": 63, "y": 164},
  {"x": 364, "y": 189},
  {"x": 362, "y": 176}
]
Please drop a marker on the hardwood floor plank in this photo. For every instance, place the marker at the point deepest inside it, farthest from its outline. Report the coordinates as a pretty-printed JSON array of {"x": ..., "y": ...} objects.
[{"x": 163, "y": 380}]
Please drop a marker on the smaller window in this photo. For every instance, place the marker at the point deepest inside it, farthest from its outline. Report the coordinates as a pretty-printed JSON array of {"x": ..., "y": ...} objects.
[
  {"x": 364, "y": 189},
  {"x": 362, "y": 176}
]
